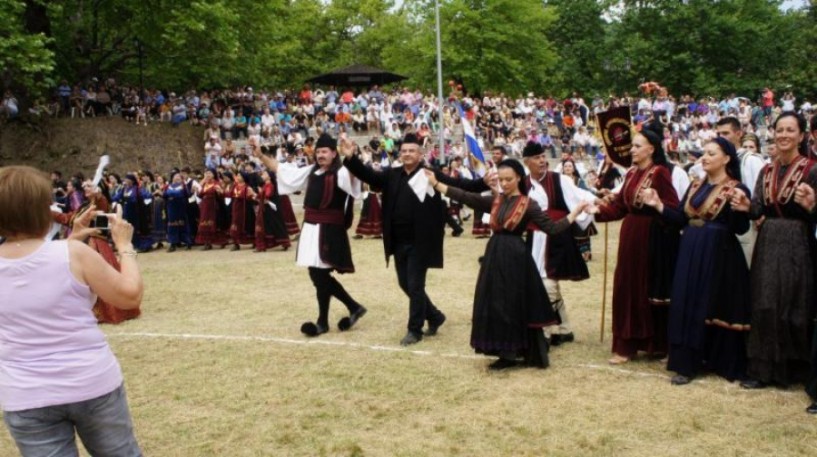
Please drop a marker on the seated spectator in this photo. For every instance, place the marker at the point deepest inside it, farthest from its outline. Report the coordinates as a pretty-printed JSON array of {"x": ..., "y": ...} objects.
[
  {"x": 240, "y": 127},
  {"x": 212, "y": 153},
  {"x": 358, "y": 121},
  {"x": 227, "y": 124},
  {"x": 179, "y": 113},
  {"x": 90, "y": 101},
  {"x": 103, "y": 101}
]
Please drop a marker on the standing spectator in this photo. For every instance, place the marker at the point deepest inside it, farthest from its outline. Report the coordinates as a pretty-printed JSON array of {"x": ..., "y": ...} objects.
[
  {"x": 64, "y": 93},
  {"x": 10, "y": 107},
  {"x": 60, "y": 377},
  {"x": 768, "y": 104}
]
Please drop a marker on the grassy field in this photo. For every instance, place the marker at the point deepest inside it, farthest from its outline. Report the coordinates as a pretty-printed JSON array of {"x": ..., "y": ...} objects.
[{"x": 216, "y": 366}]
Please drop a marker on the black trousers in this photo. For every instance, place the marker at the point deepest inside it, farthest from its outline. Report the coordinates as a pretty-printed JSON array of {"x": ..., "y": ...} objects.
[
  {"x": 326, "y": 287},
  {"x": 411, "y": 275}
]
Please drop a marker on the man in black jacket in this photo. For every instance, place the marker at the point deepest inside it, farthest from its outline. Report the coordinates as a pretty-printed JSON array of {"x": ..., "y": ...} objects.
[{"x": 413, "y": 227}]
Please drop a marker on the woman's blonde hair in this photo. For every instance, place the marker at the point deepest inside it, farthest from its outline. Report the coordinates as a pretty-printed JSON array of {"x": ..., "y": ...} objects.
[{"x": 25, "y": 200}]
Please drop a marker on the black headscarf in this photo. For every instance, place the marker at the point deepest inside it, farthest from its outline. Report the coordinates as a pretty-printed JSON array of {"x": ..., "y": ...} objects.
[
  {"x": 733, "y": 167},
  {"x": 654, "y": 133}
]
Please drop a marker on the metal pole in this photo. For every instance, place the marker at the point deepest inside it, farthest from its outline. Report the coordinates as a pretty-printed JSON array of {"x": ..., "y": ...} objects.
[{"x": 440, "y": 102}]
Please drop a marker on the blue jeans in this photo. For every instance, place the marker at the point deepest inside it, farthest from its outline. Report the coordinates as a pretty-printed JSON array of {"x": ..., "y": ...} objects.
[{"x": 103, "y": 424}]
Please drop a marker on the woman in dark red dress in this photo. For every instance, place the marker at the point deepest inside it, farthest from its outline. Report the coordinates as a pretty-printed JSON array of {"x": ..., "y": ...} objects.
[
  {"x": 209, "y": 193},
  {"x": 371, "y": 217},
  {"x": 269, "y": 225},
  {"x": 647, "y": 252},
  {"x": 105, "y": 312},
  {"x": 242, "y": 227},
  {"x": 291, "y": 223}
]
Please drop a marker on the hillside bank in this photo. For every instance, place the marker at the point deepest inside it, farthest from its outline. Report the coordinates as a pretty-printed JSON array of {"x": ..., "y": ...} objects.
[{"x": 72, "y": 145}]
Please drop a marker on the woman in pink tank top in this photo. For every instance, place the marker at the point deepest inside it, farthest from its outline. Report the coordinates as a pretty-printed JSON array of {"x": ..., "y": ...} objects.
[{"x": 58, "y": 376}]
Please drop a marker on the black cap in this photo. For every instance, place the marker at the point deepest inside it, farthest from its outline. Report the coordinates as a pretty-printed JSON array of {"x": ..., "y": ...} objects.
[
  {"x": 533, "y": 149},
  {"x": 326, "y": 141}
]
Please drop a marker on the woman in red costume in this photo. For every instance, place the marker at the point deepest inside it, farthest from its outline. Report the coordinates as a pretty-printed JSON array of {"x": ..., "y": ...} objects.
[
  {"x": 269, "y": 225},
  {"x": 242, "y": 227},
  {"x": 209, "y": 193},
  {"x": 647, "y": 252},
  {"x": 105, "y": 312}
]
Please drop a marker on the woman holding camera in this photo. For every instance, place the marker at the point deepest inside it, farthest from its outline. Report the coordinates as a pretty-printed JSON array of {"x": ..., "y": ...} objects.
[{"x": 60, "y": 377}]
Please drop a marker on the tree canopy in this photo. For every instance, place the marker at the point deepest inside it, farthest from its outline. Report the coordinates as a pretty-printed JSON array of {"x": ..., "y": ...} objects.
[{"x": 511, "y": 46}]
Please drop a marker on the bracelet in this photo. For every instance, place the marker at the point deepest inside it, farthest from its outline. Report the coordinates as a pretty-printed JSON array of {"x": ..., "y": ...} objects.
[{"x": 128, "y": 254}]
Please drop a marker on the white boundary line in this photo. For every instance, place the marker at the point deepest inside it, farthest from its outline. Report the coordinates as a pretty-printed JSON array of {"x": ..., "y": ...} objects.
[{"x": 319, "y": 342}]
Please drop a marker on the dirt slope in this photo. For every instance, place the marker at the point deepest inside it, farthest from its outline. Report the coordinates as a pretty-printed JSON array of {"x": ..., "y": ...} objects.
[{"x": 72, "y": 145}]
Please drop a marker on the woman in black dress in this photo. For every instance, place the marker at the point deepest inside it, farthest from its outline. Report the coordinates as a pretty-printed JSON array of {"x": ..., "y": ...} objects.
[
  {"x": 780, "y": 346},
  {"x": 511, "y": 305}
]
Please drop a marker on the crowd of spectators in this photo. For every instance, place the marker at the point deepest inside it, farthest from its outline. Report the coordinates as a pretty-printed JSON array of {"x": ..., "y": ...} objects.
[{"x": 288, "y": 121}]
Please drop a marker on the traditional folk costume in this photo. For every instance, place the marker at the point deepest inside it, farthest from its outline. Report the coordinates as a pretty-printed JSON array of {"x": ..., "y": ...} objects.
[
  {"x": 290, "y": 221},
  {"x": 242, "y": 225},
  {"x": 105, "y": 312},
  {"x": 210, "y": 211},
  {"x": 710, "y": 310},
  {"x": 610, "y": 176},
  {"x": 371, "y": 216},
  {"x": 646, "y": 260},
  {"x": 178, "y": 224},
  {"x": 480, "y": 229},
  {"x": 270, "y": 231},
  {"x": 323, "y": 246},
  {"x": 511, "y": 305},
  {"x": 782, "y": 278},
  {"x": 192, "y": 207},
  {"x": 135, "y": 201},
  {"x": 557, "y": 257},
  {"x": 158, "y": 220}
]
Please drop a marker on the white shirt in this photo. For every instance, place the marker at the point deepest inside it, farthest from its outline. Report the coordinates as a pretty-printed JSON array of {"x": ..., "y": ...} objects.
[
  {"x": 750, "y": 166},
  {"x": 292, "y": 179}
]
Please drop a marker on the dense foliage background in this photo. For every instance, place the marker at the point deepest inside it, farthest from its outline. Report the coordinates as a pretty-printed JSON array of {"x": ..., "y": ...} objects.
[{"x": 514, "y": 46}]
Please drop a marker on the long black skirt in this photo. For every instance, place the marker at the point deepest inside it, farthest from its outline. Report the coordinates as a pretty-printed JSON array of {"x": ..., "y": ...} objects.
[{"x": 511, "y": 305}]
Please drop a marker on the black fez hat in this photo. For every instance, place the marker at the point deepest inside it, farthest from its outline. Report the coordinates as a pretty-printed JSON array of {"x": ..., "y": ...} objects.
[
  {"x": 326, "y": 141},
  {"x": 533, "y": 149},
  {"x": 411, "y": 138}
]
